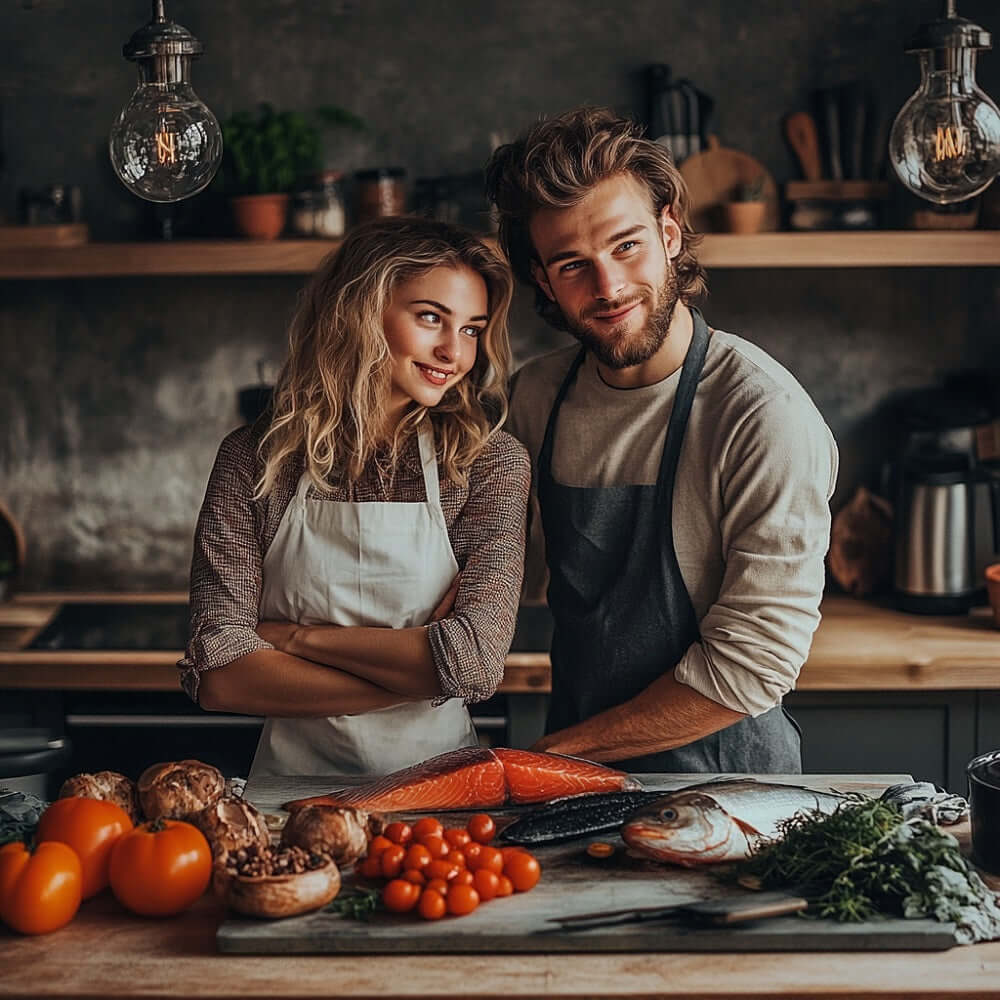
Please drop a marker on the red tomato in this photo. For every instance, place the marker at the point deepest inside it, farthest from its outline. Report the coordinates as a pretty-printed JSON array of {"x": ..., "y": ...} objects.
[
  {"x": 91, "y": 827},
  {"x": 438, "y": 885},
  {"x": 417, "y": 856},
  {"x": 487, "y": 884},
  {"x": 464, "y": 877},
  {"x": 438, "y": 846},
  {"x": 471, "y": 851},
  {"x": 462, "y": 899},
  {"x": 456, "y": 858},
  {"x": 489, "y": 858},
  {"x": 371, "y": 867},
  {"x": 432, "y": 905},
  {"x": 377, "y": 845},
  {"x": 439, "y": 868},
  {"x": 160, "y": 868},
  {"x": 504, "y": 887},
  {"x": 391, "y": 860},
  {"x": 523, "y": 871},
  {"x": 399, "y": 833},
  {"x": 457, "y": 837},
  {"x": 482, "y": 828},
  {"x": 427, "y": 827},
  {"x": 400, "y": 896},
  {"x": 414, "y": 875},
  {"x": 40, "y": 890}
]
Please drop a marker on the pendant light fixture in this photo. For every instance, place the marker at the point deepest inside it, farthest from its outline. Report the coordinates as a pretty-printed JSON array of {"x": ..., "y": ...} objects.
[
  {"x": 945, "y": 141},
  {"x": 166, "y": 144}
]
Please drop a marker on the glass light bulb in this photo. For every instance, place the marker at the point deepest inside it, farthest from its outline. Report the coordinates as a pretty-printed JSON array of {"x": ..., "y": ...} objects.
[
  {"x": 945, "y": 141},
  {"x": 166, "y": 144}
]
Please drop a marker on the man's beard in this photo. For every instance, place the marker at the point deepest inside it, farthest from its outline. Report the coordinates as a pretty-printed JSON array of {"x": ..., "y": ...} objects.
[{"x": 617, "y": 348}]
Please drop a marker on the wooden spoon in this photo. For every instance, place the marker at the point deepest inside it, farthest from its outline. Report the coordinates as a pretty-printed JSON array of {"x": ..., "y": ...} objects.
[{"x": 802, "y": 136}]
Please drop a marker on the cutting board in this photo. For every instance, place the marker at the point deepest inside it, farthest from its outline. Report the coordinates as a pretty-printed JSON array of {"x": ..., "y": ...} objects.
[
  {"x": 713, "y": 178},
  {"x": 573, "y": 883}
]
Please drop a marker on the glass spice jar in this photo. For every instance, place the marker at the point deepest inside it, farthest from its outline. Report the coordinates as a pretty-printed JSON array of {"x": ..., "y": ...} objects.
[
  {"x": 329, "y": 217},
  {"x": 380, "y": 193}
]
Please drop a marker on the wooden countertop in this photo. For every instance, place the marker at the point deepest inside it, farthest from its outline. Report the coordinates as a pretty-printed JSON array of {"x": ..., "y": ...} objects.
[
  {"x": 858, "y": 646},
  {"x": 105, "y": 952}
]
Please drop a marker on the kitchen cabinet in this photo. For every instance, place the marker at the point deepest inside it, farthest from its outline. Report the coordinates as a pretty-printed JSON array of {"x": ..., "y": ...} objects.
[{"x": 974, "y": 248}]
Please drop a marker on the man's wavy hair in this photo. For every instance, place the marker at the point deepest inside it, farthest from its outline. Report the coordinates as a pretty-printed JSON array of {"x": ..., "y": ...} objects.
[
  {"x": 558, "y": 162},
  {"x": 332, "y": 394}
]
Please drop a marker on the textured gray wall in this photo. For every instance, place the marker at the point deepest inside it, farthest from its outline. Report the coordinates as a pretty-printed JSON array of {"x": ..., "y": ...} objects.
[{"x": 114, "y": 393}]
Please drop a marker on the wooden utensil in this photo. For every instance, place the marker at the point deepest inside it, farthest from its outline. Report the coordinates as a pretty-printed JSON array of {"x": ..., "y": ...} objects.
[
  {"x": 714, "y": 177},
  {"x": 803, "y": 137}
]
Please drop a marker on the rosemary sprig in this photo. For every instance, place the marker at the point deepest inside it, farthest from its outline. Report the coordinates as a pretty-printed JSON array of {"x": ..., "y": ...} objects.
[{"x": 358, "y": 904}]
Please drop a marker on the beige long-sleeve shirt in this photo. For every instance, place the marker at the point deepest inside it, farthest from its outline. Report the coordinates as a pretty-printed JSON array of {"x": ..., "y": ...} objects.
[
  {"x": 751, "y": 515},
  {"x": 486, "y": 527}
]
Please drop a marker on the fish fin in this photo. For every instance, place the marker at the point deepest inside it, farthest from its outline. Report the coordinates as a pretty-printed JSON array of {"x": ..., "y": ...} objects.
[{"x": 747, "y": 828}]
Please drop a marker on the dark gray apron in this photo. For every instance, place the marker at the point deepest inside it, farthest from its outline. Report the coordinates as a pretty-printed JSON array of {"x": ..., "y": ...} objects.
[{"x": 623, "y": 616}]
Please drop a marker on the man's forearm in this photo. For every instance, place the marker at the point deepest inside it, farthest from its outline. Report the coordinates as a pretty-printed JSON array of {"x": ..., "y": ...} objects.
[
  {"x": 397, "y": 659},
  {"x": 275, "y": 683},
  {"x": 665, "y": 715}
]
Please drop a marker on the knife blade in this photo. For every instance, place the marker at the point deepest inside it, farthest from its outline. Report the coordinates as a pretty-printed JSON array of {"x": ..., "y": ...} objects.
[{"x": 716, "y": 912}]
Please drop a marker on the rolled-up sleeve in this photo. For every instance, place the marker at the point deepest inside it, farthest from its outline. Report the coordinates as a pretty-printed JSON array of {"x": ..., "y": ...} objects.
[
  {"x": 777, "y": 480},
  {"x": 225, "y": 567},
  {"x": 488, "y": 537}
]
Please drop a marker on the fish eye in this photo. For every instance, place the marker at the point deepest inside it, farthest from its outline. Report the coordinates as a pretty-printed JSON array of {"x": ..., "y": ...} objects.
[{"x": 668, "y": 814}]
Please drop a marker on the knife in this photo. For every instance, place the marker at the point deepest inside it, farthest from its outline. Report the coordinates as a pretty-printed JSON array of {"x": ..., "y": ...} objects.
[
  {"x": 829, "y": 118},
  {"x": 693, "y": 130},
  {"x": 714, "y": 912}
]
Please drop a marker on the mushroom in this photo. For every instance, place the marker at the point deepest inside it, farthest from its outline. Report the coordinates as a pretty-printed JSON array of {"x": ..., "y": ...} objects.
[
  {"x": 231, "y": 823},
  {"x": 340, "y": 831},
  {"x": 108, "y": 786},
  {"x": 178, "y": 789}
]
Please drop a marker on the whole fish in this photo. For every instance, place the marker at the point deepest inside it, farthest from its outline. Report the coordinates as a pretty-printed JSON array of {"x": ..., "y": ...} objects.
[
  {"x": 577, "y": 816},
  {"x": 718, "y": 820}
]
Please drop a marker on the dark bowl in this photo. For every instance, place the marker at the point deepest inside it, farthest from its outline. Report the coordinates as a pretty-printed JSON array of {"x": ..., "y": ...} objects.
[{"x": 983, "y": 773}]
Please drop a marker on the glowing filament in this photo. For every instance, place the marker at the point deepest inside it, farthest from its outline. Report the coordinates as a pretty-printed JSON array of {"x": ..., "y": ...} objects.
[
  {"x": 949, "y": 143},
  {"x": 165, "y": 150}
]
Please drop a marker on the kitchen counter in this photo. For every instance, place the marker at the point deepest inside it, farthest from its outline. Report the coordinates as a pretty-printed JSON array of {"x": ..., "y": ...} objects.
[
  {"x": 859, "y": 646},
  {"x": 106, "y": 952}
]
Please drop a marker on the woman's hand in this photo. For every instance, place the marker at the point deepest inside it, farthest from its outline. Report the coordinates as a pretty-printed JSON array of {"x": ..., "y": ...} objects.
[
  {"x": 447, "y": 603},
  {"x": 278, "y": 634}
]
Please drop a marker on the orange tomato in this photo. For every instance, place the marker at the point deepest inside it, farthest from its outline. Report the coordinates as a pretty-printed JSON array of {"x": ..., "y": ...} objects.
[
  {"x": 432, "y": 905},
  {"x": 457, "y": 837},
  {"x": 471, "y": 851},
  {"x": 417, "y": 856},
  {"x": 489, "y": 858},
  {"x": 487, "y": 884},
  {"x": 399, "y": 833},
  {"x": 40, "y": 890},
  {"x": 464, "y": 877},
  {"x": 439, "y": 868},
  {"x": 462, "y": 899},
  {"x": 160, "y": 868},
  {"x": 481, "y": 828},
  {"x": 378, "y": 844},
  {"x": 91, "y": 827},
  {"x": 504, "y": 887},
  {"x": 456, "y": 858},
  {"x": 391, "y": 860},
  {"x": 523, "y": 870},
  {"x": 400, "y": 896},
  {"x": 414, "y": 875},
  {"x": 427, "y": 827},
  {"x": 437, "y": 885}
]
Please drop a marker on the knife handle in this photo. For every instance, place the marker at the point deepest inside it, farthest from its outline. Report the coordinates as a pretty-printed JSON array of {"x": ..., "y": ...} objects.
[{"x": 723, "y": 912}]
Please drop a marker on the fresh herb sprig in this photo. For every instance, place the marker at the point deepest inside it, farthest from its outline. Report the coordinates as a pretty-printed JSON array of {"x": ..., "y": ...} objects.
[
  {"x": 865, "y": 860},
  {"x": 358, "y": 904}
]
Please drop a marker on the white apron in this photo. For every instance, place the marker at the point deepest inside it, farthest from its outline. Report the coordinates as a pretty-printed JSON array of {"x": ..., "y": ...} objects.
[{"x": 372, "y": 564}]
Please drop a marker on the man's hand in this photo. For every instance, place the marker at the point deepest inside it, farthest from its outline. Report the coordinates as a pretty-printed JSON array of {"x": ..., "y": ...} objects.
[
  {"x": 447, "y": 603},
  {"x": 278, "y": 634}
]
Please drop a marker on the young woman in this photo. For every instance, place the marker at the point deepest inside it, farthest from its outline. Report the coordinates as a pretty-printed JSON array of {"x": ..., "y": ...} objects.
[{"x": 358, "y": 556}]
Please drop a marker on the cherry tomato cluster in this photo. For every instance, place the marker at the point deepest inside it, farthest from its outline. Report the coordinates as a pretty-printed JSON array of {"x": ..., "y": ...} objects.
[{"x": 437, "y": 870}]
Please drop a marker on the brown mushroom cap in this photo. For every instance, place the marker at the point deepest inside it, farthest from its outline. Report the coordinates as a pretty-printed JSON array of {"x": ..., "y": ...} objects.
[
  {"x": 340, "y": 831},
  {"x": 274, "y": 896},
  {"x": 178, "y": 789},
  {"x": 108, "y": 786},
  {"x": 230, "y": 824}
]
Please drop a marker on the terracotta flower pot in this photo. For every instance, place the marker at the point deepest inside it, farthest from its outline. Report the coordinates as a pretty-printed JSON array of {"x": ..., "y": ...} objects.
[
  {"x": 744, "y": 216},
  {"x": 260, "y": 216},
  {"x": 993, "y": 589}
]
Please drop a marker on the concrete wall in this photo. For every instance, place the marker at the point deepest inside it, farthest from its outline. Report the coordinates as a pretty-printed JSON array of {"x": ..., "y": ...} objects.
[{"x": 114, "y": 393}]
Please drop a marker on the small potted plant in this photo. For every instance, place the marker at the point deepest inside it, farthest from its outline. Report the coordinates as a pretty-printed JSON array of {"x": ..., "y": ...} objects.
[
  {"x": 745, "y": 213},
  {"x": 265, "y": 156}
]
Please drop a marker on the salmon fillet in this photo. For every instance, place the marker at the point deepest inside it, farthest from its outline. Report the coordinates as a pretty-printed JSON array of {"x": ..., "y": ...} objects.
[
  {"x": 475, "y": 778},
  {"x": 458, "y": 779},
  {"x": 539, "y": 777}
]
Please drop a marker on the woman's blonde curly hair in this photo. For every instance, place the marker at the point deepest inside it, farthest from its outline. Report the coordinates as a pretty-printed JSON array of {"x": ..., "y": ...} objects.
[
  {"x": 331, "y": 397},
  {"x": 558, "y": 162}
]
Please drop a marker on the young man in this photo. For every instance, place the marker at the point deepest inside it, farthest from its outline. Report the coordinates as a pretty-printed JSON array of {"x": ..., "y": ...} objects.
[{"x": 683, "y": 476}]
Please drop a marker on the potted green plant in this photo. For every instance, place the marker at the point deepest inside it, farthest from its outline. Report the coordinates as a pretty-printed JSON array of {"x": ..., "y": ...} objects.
[
  {"x": 745, "y": 213},
  {"x": 265, "y": 156}
]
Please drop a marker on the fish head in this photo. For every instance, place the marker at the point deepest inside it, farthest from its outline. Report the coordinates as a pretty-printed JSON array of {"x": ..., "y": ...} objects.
[{"x": 685, "y": 828}]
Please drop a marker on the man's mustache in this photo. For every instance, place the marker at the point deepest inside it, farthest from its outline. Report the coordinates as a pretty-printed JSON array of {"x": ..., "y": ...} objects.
[{"x": 612, "y": 307}]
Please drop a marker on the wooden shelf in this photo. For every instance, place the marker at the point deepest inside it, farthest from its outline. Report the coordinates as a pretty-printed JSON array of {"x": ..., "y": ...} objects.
[{"x": 975, "y": 248}]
